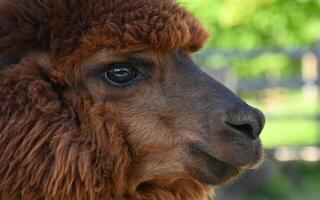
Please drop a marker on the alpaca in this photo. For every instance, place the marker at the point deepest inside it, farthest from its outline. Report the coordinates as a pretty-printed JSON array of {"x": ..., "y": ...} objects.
[{"x": 104, "y": 102}]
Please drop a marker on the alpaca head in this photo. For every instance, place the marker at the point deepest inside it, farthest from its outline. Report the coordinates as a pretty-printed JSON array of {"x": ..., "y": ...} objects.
[
  {"x": 133, "y": 59},
  {"x": 179, "y": 121}
]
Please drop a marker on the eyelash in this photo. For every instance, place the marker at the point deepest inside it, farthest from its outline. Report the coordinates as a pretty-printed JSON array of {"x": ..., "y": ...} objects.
[{"x": 125, "y": 73}]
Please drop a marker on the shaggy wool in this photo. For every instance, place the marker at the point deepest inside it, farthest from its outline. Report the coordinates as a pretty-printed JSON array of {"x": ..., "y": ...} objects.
[{"x": 65, "y": 146}]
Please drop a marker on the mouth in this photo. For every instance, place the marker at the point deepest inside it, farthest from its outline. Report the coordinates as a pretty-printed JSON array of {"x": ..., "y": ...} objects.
[{"x": 215, "y": 171}]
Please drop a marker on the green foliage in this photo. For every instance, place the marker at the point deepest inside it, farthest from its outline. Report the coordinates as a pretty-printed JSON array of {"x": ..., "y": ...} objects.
[
  {"x": 247, "y": 24},
  {"x": 258, "y": 24},
  {"x": 272, "y": 65},
  {"x": 278, "y": 188},
  {"x": 294, "y": 180},
  {"x": 266, "y": 65}
]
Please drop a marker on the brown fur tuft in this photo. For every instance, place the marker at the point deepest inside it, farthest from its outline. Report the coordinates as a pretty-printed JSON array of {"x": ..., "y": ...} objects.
[
  {"x": 48, "y": 155},
  {"x": 63, "y": 25}
]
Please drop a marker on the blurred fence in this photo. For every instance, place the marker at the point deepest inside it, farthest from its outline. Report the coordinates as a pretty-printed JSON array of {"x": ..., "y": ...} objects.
[
  {"x": 309, "y": 67},
  {"x": 284, "y": 174}
]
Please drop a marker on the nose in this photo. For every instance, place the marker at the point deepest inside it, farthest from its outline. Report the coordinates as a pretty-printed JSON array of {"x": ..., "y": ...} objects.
[{"x": 246, "y": 121}]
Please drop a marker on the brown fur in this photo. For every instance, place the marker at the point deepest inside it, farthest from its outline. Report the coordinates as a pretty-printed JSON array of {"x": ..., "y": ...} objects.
[
  {"x": 64, "y": 25},
  {"x": 46, "y": 153},
  {"x": 66, "y": 134}
]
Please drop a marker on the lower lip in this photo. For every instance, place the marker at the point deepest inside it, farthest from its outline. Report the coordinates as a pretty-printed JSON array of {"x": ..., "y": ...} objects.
[
  {"x": 252, "y": 163},
  {"x": 258, "y": 154},
  {"x": 211, "y": 160},
  {"x": 221, "y": 172}
]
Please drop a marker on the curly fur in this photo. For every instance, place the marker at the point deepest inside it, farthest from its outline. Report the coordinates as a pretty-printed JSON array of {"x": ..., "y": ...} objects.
[
  {"x": 56, "y": 145},
  {"x": 62, "y": 26}
]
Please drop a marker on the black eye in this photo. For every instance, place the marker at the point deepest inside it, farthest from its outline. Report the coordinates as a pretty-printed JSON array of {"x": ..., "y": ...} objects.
[{"x": 121, "y": 75}]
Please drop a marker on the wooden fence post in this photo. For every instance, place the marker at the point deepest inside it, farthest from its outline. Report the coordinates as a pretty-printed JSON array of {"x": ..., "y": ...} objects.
[{"x": 310, "y": 75}]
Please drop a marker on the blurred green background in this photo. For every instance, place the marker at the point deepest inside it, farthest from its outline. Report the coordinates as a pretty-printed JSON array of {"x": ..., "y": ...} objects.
[{"x": 268, "y": 52}]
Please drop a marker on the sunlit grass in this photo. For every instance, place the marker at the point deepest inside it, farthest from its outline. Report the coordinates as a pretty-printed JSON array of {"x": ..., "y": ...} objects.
[
  {"x": 282, "y": 132},
  {"x": 291, "y": 117}
]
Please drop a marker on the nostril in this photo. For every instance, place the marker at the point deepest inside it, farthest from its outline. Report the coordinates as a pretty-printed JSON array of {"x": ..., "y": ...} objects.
[
  {"x": 245, "y": 129},
  {"x": 244, "y": 120}
]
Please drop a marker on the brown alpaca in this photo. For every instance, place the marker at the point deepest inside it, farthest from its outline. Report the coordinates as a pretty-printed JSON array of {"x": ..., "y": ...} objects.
[{"x": 105, "y": 103}]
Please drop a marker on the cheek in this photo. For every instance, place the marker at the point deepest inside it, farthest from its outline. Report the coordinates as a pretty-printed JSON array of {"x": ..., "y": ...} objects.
[
  {"x": 153, "y": 143},
  {"x": 150, "y": 131},
  {"x": 156, "y": 126},
  {"x": 147, "y": 134}
]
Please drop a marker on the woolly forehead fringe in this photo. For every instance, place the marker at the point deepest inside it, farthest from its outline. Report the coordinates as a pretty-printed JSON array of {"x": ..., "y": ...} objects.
[{"x": 61, "y": 26}]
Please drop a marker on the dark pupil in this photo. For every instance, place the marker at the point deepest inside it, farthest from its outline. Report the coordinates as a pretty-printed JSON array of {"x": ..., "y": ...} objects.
[{"x": 121, "y": 74}]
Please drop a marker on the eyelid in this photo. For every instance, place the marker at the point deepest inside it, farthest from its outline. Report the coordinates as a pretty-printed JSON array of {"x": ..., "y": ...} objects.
[{"x": 141, "y": 63}]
